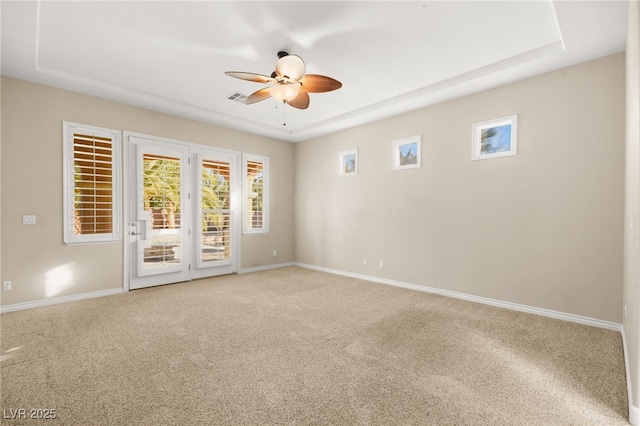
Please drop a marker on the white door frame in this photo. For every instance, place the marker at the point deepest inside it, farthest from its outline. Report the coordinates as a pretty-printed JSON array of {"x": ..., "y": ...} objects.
[{"x": 194, "y": 151}]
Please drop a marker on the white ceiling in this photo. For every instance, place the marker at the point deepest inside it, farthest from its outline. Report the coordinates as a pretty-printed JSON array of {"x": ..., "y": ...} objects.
[{"x": 391, "y": 57}]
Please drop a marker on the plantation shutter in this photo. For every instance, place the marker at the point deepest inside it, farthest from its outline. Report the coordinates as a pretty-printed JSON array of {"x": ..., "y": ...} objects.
[
  {"x": 256, "y": 194},
  {"x": 91, "y": 188}
]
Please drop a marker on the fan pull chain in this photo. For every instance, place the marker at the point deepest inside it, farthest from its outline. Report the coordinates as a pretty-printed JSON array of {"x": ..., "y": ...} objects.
[{"x": 284, "y": 114}]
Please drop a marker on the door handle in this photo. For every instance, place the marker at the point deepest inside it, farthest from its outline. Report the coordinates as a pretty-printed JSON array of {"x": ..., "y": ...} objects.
[
  {"x": 134, "y": 225},
  {"x": 140, "y": 229}
]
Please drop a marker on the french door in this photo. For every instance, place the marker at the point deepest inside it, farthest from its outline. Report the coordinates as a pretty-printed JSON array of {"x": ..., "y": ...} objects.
[{"x": 182, "y": 219}]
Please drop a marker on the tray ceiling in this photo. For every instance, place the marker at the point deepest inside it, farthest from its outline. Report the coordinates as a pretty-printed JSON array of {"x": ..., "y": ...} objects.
[{"x": 391, "y": 57}]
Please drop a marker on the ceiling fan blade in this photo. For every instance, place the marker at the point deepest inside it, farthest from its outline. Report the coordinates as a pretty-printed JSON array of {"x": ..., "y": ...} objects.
[
  {"x": 301, "y": 101},
  {"x": 258, "y": 96},
  {"x": 291, "y": 67},
  {"x": 249, "y": 76},
  {"x": 315, "y": 83}
]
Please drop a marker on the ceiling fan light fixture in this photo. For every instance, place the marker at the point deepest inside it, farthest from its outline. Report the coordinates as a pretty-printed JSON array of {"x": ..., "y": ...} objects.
[
  {"x": 291, "y": 67},
  {"x": 285, "y": 92}
]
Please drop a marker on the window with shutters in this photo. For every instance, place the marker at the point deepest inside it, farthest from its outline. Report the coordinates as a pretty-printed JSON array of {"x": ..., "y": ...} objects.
[
  {"x": 91, "y": 184},
  {"x": 256, "y": 194}
]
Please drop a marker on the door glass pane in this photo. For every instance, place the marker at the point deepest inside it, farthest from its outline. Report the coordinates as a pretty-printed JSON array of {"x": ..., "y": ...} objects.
[
  {"x": 215, "y": 215},
  {"x": 161, "y": 175}
]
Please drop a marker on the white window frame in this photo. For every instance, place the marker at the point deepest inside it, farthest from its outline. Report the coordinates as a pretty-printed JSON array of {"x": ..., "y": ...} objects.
[
  {"x": 246, "y": 194},
  {"x": 69, "y": 131}
]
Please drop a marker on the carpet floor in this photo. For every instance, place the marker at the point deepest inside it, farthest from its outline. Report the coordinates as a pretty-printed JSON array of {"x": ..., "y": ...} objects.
[{"x": 293, "y": 346}]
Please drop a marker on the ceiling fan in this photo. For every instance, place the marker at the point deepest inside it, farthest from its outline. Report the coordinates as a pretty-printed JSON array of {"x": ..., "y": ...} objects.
[{"x": 290, "y": 82}]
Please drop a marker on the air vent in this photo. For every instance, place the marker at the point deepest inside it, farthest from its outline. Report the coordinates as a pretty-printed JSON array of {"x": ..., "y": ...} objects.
[{"x": 237, "y": 97}]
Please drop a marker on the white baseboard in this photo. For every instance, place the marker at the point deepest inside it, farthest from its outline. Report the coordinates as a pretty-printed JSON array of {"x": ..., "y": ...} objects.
[
  {"x": 57, "y": 300},
  {"x": 484, "y": 300},
  {"x": 265, "y": 267},
  {"x": 76, "y": 297},
  {"x": 493, "y": 302},
  {"x": 634, "y": 415}
]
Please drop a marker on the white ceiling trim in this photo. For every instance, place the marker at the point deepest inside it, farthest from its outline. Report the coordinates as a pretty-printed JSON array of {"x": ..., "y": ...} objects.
[{"x": 368, "y": 57}]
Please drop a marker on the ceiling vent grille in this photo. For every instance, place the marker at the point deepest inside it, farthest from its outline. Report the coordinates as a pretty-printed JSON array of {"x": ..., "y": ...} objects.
[{"x": 237, "y": 97}]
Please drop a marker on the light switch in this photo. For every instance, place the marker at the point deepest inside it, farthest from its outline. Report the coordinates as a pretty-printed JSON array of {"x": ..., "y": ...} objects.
[{"x": 28, "y": 219}]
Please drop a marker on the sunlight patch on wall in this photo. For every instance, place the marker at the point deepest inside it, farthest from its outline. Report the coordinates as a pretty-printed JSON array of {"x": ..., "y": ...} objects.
[{"x": 58, "y": 279}]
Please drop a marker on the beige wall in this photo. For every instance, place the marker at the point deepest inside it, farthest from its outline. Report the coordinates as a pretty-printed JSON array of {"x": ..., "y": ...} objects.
[
  {"x": 543, "y": 228},
  {"x": 32, "y": 173},
  {"x": 632, "y": 208}
]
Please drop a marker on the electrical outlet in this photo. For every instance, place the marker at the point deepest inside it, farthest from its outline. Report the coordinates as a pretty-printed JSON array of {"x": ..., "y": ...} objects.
[
  {"x": 28, "y": 219},
  {"x": 365, "y": 262},
  {"x": 382, "y": 263},
  {"x": 275, "y": 253},
  {"x": 6, "y": 285}
]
